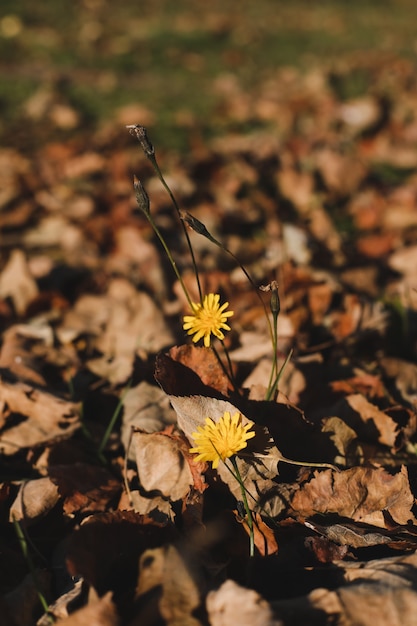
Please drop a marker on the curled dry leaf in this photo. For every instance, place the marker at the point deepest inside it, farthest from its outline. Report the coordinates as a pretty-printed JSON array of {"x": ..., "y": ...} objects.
[
  {"x": 359, "y": 493},
  {"x": 264, "y": 537},
  {"x": 145, "y": 407},
  {"x": 30, "y": 417},
  {"x": 202, "y": 362},
  {"x": 373, "y": 417},
  {"x": 34, "y": 500},
  {"x": 161, "y": 464},
  {"x": 17, "y": 357}
]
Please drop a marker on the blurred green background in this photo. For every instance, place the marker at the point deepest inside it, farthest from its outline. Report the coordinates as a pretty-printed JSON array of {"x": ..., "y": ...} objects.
[{"x": 172, "y": 61}]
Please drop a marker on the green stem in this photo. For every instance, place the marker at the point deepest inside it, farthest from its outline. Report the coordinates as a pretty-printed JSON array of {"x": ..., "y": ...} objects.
[
  {"x": 274, "y": 368},
  {"x": 246, "y": 505},
  {"x": 113, "y": 420},
  {"x": 157, "y": 169},
  {"x": 229, "y": 374},
  {"x": 24, "y": 547},
  {"x": 170, "y": 258},
  {"x": 272, "y": 387},
  {"x": 199, "y": 228}
]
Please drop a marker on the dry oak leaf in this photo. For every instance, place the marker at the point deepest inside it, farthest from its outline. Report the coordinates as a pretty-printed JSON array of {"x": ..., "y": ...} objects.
[
  {"x": 29, "y": 417},
  {"x": 359, "y": 493}
]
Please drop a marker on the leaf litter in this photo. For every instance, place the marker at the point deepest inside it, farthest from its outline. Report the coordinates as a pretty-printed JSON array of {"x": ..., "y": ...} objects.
[{"x": 100, "y": 391}]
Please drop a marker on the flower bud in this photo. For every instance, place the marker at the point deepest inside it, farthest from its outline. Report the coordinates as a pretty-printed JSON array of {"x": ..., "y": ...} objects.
[{"x": 142, "y": 197}]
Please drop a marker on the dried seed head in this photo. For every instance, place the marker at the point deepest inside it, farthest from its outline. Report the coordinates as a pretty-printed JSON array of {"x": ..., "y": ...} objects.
[
  {"x": 142, "y": 197},
  {"x": 141, "y": 135},
  {"x": 275, "y": 304}
]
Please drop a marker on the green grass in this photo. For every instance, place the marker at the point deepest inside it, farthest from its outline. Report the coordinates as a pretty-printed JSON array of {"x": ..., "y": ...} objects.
[{"x": 165, "y": 55}]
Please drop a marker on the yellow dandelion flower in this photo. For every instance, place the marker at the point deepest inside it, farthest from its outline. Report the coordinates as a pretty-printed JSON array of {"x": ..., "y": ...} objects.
[
  {"x": 220, "y": 440},
  {"x": 208, "y": 319}
]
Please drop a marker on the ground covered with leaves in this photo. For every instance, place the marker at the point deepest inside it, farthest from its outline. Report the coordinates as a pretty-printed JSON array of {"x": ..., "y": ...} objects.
[{"x": 106, "y": 517}]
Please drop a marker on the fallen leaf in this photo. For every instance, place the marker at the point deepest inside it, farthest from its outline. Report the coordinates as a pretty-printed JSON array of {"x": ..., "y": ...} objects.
[
  {"x": 100, "y": 612},
  {"x": 232, "y": 604},
  {"x": 147, "y": 408},
  {"x": 17, "y": 283},
  {"x": 30, "y": 417},
  {"x": 177, "y": 577},
  {"x": 84, "y": 488},
  {"x": 35, "y": 499},
  {"x": 359, "y": 493},
  {"x": 161, "y": 464}
]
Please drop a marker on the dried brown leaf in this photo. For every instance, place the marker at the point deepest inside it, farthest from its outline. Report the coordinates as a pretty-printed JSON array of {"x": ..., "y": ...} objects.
[
  {"x": 17, "y": 283},
  {"x": 161, "y": 464},
  {"x": 34, "y": 500},
  {"x": 100, "y": 612},
  {"x": 359, "y": 493},
  {"x": 145, "y": 407},
  {"x": 202, "y": 362},
  {"x": 371, "y": 416},
  {"x": 84, "y": 488},
  {"x": 30, "y": 417},
  {"x": 177, "y": 576}
]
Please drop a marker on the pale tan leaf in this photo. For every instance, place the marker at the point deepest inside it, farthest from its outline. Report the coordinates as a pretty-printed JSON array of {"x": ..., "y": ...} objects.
[
  {"x": 147, "y": 408},
  {"x": 343, "y": 437},
  {"x": 232, "y": 604},
  {"x": 34, "y": 500},
  {"x": 101, "y": 612},
  {"x": 174, "y": 572},
  {"x": 17, "y": 283},
  {"x": 161, "y": 465},
  {"x": 370, "y": 414}
]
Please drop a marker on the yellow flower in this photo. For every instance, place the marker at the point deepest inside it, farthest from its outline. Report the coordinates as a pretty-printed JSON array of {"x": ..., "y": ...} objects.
[
  {"x": 209, "y": 318},
  {"x": 222, "y": 439}
]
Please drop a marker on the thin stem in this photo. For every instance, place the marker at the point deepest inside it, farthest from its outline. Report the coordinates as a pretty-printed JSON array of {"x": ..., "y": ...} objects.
[
  {"x": 199, "y": 228},
  {"x": 113, "y": 419},
  {"x": 246, "y": 505},
  {"x": 170, "y": 258},
  {"x": 274, "y": 369},
  {"x": 24, "y": 547},
  {"x": 157, "y": 169},
  {"x": 272, "y": 387},
  {"x": 228, "y": 375}
]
